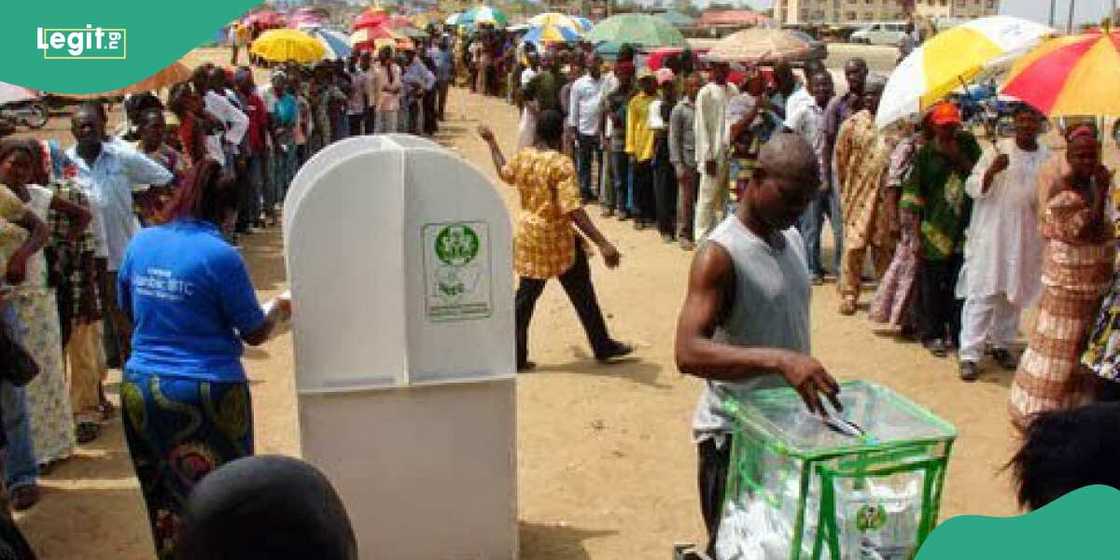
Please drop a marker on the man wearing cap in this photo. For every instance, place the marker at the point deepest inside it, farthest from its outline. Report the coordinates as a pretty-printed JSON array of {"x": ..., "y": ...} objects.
[
  {"x": 860, "y": 165},
  {"x": 1003, "y": 255},
  {"x": 640, "y": 149},
  {"x": 712, "y": 149},
  {"x": 935, "y": 191},
  {"x": 664, "y": 178}
]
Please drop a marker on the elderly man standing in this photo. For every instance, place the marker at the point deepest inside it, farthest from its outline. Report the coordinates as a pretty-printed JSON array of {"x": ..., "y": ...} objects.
[
  {"x": 712, "y": 146},
  {"x": 111, "y": 176},
  {"x": 1003, "y": 255},
  {"x": 860, "y": 165},
  {"x": 935, "y": 191},
  {"x": 838, "y": 111}
]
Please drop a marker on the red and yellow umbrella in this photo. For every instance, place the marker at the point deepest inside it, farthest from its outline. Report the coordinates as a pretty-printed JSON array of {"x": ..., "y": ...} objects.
[{"x": 1074, "y": 75}]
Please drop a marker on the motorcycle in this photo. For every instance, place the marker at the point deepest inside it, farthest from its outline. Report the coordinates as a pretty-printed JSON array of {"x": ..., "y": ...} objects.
[{"x": 31, "y": 113}]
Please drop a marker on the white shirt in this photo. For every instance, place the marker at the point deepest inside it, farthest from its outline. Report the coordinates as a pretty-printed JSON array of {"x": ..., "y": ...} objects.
[
  {"x": 807, "y": 120},
  {"x": 654, "y": 119},
  {"x": 797, "y": 101},
  {"x": 585, "y": 104},
  {"x": 712, "y": 138},
  {"x": 527, "y": 75},
  {"x": 1003, "y": 251},
  {"x": 237, "y": 124}
]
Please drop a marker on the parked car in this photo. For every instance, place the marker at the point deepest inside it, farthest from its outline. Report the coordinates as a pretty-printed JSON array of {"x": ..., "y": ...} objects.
[{"x": 880, "y": 33}]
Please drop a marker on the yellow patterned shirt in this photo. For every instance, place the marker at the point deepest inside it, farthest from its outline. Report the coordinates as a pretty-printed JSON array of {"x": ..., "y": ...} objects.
[{"x": 545, "y": 244}]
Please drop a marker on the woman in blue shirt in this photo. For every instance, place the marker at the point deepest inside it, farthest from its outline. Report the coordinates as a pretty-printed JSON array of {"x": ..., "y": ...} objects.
[{"x": 185, "y": 395}]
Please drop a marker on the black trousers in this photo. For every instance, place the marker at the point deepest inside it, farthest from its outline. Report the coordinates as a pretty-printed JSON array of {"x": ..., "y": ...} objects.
[
  {"x": 356, "y": 122},
  {"x": 712, "y": 479},
  {"x": 665, "y": 193},
  {"x": 577, "y": 284},
  {"x": 644, "y": 202},
  {"x": 371, "y": 120},
  {"x": 941, "y": 310},
  {"x": 429, "y": 103}
]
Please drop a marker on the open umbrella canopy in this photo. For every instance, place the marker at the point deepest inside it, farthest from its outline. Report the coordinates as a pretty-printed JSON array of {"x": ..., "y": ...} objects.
[
  {"x": 281, "y": 45},
  {"x": 373, "y": 34},
  {"x": 370, "y": 18},
  {"x": 549, "y": 34},
  {"x": 951, "y": 58},
  {"x": 585, "y": 25},
  {"x": 337, "y": 44},
  {"x": 642, "y": 30},
  {"x": 453, "y": 19},
  {"x": 677, "y": 19},
  {"x": 1068, "y": 76},
  {"x": 758, "y": 44},
  {"x": 484, "y": 14},
  {"x": 265, "y": 18},
  {"x": 554, "y": 18}
]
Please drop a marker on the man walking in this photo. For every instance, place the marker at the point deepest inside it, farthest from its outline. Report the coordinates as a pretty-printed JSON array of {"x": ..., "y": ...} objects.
[
  {"x": 1003, "y": 254},
  {"x": 584, "y": 116},
  {"x": 935, "y": 192},
  {"x": 807, "y": 120},
  {"x": 745, "y": 320},
  {"x": 861, "y": 162},
  {"x": 712, "y": 145}
]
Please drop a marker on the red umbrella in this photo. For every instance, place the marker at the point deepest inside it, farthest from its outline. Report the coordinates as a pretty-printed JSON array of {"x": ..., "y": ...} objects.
[
  {"x": 265, "y": 19},
  {"x": 370, "y": 18}
]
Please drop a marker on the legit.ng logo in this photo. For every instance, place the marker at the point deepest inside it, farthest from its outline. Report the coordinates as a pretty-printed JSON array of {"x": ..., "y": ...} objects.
[{"x": 84, "y": 43}]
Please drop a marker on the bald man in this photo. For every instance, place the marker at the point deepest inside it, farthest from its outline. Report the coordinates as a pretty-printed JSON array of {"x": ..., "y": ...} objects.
[{"x": 745, "y": 320}]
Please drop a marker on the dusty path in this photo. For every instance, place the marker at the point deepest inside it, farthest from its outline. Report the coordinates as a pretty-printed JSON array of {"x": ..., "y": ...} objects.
[{"x": 606, "y": 468}]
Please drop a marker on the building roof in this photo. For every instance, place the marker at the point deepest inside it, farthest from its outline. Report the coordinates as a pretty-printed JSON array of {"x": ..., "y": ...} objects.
[{"x": 732, "y": 17}]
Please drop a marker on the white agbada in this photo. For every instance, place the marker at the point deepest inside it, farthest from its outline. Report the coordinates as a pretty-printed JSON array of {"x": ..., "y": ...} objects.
[{"x": 1003, "y": 251}]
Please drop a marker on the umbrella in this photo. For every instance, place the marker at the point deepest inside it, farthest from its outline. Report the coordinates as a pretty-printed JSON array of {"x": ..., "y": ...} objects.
[
  {"x": 373, "y": 34},
  {"x": 265, "y": 19},
  {"x": 951, "y": 58},
  {"x": 554, "y": 18},
  {"x": 453, "y": 19},
  {"x": 677, "y": 19},
  {"x": 637, "y": 29},
  {"x": 608, "y": 50},
  {"x": 1067, "y": 76},
  {"x": 484, "y": 14},
  {"x": 166, "y": 77},
  {"x": 370, "y": 18},
  {"x": 585, "y": 25},
  {"x": 758, "y": 45},
  {"x": 336, "y": 44},
  {"x": 547, "y": 34},
  {"x": 11, "y": 93},
  {"x": 281, "y": 45}
]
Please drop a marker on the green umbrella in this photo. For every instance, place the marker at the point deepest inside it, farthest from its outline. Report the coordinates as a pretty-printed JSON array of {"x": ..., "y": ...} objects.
[
  {"x": 643, "y": 30},
  {"x": 677, "y": 19},
  {"x": 484, "y": 14}
]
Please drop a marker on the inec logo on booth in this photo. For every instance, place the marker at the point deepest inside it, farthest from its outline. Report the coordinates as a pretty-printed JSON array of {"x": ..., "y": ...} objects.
[
  {"x": 457, "y": 245},
  {"x": 88, "y": 43}
]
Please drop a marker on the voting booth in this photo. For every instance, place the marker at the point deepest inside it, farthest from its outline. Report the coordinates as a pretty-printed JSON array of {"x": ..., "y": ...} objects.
[{"x": 399, "y": 260}]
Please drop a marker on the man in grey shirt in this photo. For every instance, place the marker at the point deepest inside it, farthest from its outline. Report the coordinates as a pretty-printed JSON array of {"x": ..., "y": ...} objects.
[
  {"x": 682, "y": 154},
  {"x": 745, "y": 320}
]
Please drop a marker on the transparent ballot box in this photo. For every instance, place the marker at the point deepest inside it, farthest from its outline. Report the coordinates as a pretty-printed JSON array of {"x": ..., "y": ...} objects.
[{"x": 863, "y": 485}]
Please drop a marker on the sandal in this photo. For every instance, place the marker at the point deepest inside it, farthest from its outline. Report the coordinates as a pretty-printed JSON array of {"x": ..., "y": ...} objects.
[{"x": 86, "y": 432}]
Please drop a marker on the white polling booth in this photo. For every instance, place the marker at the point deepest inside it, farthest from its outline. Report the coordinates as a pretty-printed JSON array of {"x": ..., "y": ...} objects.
[{"x": 399, "y": 260}]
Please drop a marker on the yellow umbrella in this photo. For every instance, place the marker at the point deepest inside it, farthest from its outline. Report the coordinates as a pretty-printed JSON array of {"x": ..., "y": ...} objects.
[
  {"x": 282, "y": 45},
  {"x": 554, "y": 18}
]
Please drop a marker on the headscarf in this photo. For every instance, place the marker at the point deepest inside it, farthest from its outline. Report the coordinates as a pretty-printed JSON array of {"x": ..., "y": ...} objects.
[{"x": 266, "y": 507}]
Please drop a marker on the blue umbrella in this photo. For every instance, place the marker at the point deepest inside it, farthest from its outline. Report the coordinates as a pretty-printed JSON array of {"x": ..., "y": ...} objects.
[
  {"x": 337, "y": 44},
  {"x": 551, "y": 34}
]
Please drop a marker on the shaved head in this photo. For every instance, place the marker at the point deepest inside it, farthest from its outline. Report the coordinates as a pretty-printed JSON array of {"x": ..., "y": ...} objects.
[{"x": 789, "y": 156}]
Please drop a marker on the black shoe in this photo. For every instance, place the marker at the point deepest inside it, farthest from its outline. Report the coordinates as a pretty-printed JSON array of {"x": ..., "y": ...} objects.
[
  {"x": 936, "y": 347},
  {"x": 1005, "y": 359},
  {"x": 969, "y": 371},
  {"x": 615, "y": 350}
]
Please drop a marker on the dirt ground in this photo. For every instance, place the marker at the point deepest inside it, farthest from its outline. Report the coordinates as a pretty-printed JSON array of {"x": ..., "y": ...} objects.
[{"x": 605, "y": 464}]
